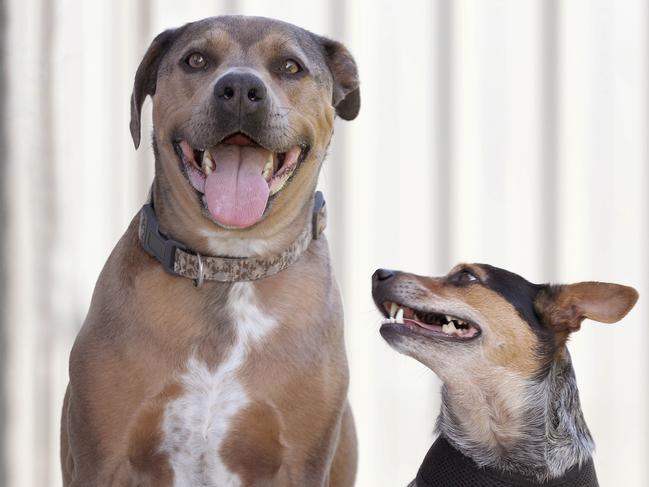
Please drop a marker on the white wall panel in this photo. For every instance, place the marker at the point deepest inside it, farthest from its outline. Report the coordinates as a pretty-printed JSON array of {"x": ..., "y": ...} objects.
[
  {"x": 504, "y": 131},
  {"x": 603, "y": 215}
]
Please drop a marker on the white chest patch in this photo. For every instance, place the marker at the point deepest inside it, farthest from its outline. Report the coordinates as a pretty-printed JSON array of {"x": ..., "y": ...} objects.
[{"x": 196, "y": 423}]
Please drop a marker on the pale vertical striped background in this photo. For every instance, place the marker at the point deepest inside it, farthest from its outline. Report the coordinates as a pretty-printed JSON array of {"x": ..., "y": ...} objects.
[{"x": 512, "y": 132}]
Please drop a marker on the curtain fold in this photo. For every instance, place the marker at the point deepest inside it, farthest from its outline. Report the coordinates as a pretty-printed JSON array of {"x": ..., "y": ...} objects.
[
  {"x": 3, "y": 255},
  {"x": 512, "y": 132}
]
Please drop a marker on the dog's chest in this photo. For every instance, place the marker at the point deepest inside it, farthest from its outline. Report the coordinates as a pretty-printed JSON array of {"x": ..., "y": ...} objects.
[{"x": 196, "y": 423}]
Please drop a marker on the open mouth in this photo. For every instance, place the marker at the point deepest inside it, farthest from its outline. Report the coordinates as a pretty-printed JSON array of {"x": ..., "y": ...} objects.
[
  {"x": 238, "y": 176},
  {"x": 429, "y": 323}
]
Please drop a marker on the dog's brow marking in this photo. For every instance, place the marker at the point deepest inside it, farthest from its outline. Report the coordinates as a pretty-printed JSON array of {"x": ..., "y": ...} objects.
[
  {"x": 216, "y": 37},
  {"x": 196, "y": 424}
]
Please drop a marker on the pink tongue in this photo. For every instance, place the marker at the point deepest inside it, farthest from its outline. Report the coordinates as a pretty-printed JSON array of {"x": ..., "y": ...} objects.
[{"x": 236, "y": 192}]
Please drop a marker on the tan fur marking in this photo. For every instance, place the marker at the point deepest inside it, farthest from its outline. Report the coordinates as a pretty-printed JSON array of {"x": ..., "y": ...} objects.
[
  {"x": 146, "y": 436},
  {"x": 254, "y": 450},
  {"x": 509, "y": 341}
]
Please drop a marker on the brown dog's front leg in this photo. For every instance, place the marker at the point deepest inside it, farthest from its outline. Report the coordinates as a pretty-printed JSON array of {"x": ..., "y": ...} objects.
[{"x": 343, "y": 468}]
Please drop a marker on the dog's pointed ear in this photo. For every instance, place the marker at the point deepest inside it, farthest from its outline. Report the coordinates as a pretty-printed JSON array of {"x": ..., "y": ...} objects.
[
  {"x": 146, "y": 76},
  {"x": 346, "y": 97},
  {"x": 563, "y": 307}
]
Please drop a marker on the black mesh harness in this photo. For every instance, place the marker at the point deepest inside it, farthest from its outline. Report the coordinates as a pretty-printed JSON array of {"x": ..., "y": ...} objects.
[{"x": 444, "y": 466}]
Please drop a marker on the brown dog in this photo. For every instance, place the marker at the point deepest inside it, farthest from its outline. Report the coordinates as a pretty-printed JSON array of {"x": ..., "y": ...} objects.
[
  {"x": 510, "y": 413},
  {"x": 239, "y": 375}
]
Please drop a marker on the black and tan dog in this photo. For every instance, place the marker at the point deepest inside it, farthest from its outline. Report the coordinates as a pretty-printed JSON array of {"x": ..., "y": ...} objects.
[
  {"x": 213, "y": 351},
  {"x": 510, "y": 408}
]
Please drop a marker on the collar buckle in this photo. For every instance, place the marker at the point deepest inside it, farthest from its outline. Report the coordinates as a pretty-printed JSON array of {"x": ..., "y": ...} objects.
[
  {"x": 157, "y": 244},
  {"x": 319, "y": 215}
]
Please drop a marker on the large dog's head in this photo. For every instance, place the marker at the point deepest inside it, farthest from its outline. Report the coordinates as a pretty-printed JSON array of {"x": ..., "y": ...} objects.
[{"x": 243, "y": 111}]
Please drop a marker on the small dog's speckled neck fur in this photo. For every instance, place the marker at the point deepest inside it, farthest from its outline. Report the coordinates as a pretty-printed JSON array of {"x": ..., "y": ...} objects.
[{"x": 553, "y": 435}]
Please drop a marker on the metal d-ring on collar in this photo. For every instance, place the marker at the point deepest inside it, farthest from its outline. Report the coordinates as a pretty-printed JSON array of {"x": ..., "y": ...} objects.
[
  {"x": 177, "y": 259},
  {"x": 198, "y": 282}
]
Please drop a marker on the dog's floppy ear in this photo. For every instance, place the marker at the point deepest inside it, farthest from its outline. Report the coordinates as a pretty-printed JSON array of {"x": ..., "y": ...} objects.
[
  {"x": 145, "y": 77},
  {"x": 564, "y": 307},
  {"x": 346, "y": 92}
]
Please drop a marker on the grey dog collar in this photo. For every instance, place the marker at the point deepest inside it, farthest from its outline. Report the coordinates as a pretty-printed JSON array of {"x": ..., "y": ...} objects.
[{"x": 177, "y": 259}]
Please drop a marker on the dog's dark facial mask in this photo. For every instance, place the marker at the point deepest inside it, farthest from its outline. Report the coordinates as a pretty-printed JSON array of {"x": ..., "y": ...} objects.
[
  {"x": 480, "y": 318},
  {"x": 244, "y": 106}
]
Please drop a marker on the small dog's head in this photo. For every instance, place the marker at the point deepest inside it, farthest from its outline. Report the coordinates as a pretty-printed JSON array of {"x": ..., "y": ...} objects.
[
  {"x": 479, "y": 318},
  {"x": 243, "y": 111}
]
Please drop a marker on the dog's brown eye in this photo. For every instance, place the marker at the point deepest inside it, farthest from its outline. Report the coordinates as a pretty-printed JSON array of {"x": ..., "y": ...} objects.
[
  {"x": 196, "y": 60},
  {"x": 291, "y": 67}
]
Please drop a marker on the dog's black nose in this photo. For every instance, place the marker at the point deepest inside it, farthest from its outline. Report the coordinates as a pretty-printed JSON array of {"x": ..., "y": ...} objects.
[
  {"x": 382, "y": 274},
  {"x": 240, "y": 91}
]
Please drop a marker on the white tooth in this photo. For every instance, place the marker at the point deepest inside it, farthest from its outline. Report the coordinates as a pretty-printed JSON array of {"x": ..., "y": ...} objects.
[
  {"x": 445, "y": 328},
  {"x": 393, "y": 310},
  {"x": 451, "y": 328},
  {"x": 448, "y": 318},
  {"x": 208, "y": 164},
  {"x": 400, "y": 316},
  {"x": 268, "y": 168},
  {"x": 267, "y": 172}
]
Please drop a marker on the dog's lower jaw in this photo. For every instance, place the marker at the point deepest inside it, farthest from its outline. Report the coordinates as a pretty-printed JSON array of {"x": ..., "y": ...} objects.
[
  {"x": 181, "y": 216},
  {"x": 541, "y": 438}
]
